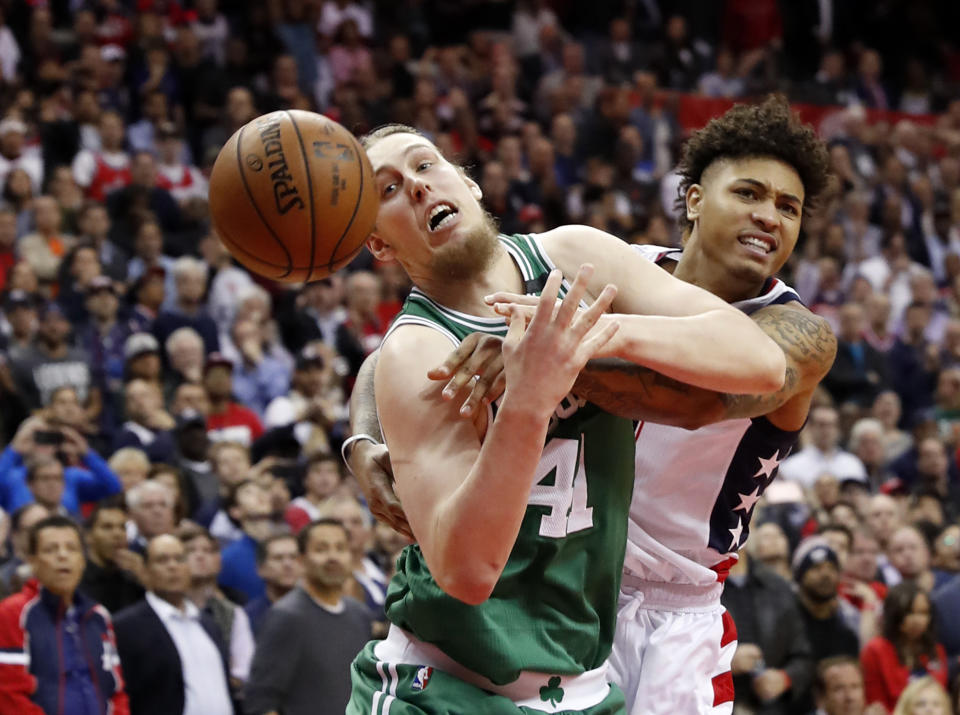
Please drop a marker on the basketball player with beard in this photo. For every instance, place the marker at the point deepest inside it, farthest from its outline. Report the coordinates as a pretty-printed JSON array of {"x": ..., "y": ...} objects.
[
  {"x": 507, "y": 601},
  {"x": 703, "y": 458}
]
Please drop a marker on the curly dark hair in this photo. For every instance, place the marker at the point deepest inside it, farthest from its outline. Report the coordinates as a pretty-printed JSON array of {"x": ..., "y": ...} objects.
[
  {"x": 896, "y": 607},
  {"x": 769, "y": 129}
]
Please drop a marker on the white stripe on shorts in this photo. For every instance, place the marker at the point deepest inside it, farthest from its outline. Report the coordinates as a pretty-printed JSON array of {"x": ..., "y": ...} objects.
[{"x": 389, "y": 690}]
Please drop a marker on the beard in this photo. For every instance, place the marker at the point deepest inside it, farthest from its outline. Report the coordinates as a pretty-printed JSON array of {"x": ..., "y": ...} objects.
[{"x": 470, "y": 257}]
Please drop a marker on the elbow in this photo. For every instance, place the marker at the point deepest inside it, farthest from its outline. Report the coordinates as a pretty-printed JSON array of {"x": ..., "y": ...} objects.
[
  {"x": 468, "y": 581},
  {"x": 773, "y": 369}
]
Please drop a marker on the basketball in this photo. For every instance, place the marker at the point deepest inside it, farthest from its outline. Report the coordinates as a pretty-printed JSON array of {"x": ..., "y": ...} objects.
[{"x": 292, "y": 196}]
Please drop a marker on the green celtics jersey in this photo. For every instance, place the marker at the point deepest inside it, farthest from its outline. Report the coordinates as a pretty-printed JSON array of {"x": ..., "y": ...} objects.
[{"x": 554, "y": 608}]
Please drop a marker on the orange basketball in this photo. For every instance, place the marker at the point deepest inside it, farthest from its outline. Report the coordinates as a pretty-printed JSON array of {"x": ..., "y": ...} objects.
[{"x": 292, "y": 196}]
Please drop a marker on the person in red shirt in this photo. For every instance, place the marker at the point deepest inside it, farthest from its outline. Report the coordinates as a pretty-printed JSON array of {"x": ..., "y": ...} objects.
[
  {"x": 227, "y": 420},
  {"x": 907, "y": 648}
]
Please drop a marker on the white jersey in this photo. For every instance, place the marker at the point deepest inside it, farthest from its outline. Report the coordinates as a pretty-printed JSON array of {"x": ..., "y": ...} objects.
[{"x": 695, "y": 490}]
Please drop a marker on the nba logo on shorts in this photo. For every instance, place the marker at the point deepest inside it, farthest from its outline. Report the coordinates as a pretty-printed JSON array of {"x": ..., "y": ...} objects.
[{"x": 423, "y": 678}]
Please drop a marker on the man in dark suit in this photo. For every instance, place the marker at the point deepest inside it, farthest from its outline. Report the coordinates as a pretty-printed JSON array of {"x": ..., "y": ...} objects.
[
  {"x": 859, "y": 371},
  {"x": 172, "y": 655}
]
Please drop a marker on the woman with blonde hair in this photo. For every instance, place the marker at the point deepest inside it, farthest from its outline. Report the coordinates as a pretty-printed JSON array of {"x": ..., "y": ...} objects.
[{"x": 924, "y": 696}]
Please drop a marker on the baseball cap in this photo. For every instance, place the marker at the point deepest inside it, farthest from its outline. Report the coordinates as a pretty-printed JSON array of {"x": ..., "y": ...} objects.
[
  {"x": 12, "y": 125},
  {"x": 217, "y": 360},
  {"x": 19, "y": 299},
  {"x": 112, "y": 53},
  {"x": 812, "y": 552},
  {"x": 51, "y": 308},
  {"x": 167, "y": 130},
  {"x": 100, "y": 283},
  {"x": 140, "y": 344},
  {"x": 309, "y": 357}
]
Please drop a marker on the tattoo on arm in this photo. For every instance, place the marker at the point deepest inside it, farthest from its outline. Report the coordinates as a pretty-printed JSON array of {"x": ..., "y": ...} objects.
[
  {"x": 637, "y": 392},
  {"x": 363, "y": 404}
]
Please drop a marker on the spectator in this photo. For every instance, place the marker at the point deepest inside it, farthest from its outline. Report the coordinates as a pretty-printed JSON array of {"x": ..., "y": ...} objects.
[
  {"x": 44, "y": 248},
  {"x": 142, "y": 353},
  {"x": 860, "y": 572},
  {"x": 64, "y": 640},
  {"x": 887, "y": 409},
  {"x": 321, "y": 481},
  {"x": 126, "y": 205},
  {"x": 147, "y": 294},
  {"x": 823, "y": 454},
  {"x": 867, "y": 445},
  {"x": 14, "y": 154},
  {"x": 194, "y": 464},
  {"x": 175, "y": 660},
  {"x": 148, "y": 427},
  {"x": 859, "y": 371},
  {"x": 131, "y": 466},
  {"x": 227, "y": 420},
  {"x": 280, "y": 569},
  {"x": 909, "y": 554},
  {"x": 289, "y": 675},
  {"x": 203, "y": 561},
  {"x": 258, "y": 377},
  {"x": 946, "y": 554},
  {"x": 185, "y": 354},
  {"x": 94, "y": 224},
  {"x": 113, "y": 575},
  {"x": 230, "y": 464},
  {"x": 769, "y": 546},
  {"x": 149, "y": 256},
  {"x": 908, "y": 645},
  {"x": 230, "y": 286},
  {"x": 250, "y": 507},
  {"x": 946, "y": 599},
  {"x": 913, "y": 361},
  {"x": 16, "y": 571},
  {"x": 923, "y": 695},
  {"x": 772, "y": 667},
  {"x": 369, "y": 582},
  {"x": 35, "y": 439},
  {"x": 838, "y": 688},
  {"x": 51, "y": 363},
  {"x": 832, "y": 625},
  {"x": 151, "y": 512},
  {"x": 104, "y": 338},
  {"x": 190, "y": 275},
  {"x": 107, "y": 169},
  {"x": 20, "y": 310}
]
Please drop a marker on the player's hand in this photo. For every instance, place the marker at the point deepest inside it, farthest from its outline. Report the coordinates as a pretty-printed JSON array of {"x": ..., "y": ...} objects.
[
  {"x": 370, "y": 464},
  {"x": 745, "y": 658},
  {"x": 476, "y": 364},
  {"x": 770, "y": 684},
  {"x": 542, "y": 359}
]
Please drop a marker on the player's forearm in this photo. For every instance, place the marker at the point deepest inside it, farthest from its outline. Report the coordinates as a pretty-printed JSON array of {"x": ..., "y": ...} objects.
[
  {"x": 721, "y": 350},
  {"x": 363, "y": 405},
  {"x": 477, "y": 524}
]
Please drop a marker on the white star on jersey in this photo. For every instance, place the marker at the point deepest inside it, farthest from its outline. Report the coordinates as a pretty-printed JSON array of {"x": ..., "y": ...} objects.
[
  {"x": 748, "y": 500},
  {"x": 735, "y": 533},
  {"x": 768, "y": 465}
]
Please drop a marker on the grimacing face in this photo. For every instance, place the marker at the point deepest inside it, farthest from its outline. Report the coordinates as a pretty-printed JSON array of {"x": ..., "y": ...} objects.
[
  {"x": 747, "y": 214},
  {"x": 430, "y": 216}
]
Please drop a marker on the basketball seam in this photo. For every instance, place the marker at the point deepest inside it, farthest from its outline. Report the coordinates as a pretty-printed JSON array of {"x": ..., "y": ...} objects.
[
  {"x": 313, "y": 213},
  {"x": 356, "y": 206},
  {"x": 246, "y": 187},
  {"x": 234, "y": 245}
]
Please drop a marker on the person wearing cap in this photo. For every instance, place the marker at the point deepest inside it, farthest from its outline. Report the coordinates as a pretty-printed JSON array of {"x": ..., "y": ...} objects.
[
  {"x": 20, "y": 310},
  {"x": 13, "y": 153},
  {"x": 823, "y": 454},
  {"x": 104, "y": 337},
  {"x": 183, "y": 181},
  {"x": 51, "y": 363},
  {"x": 227, "y": 420},
  {"x": 141, "y": 351},
  {"x": 832, "y": 624},
  {"x": 772, "y": 665}
]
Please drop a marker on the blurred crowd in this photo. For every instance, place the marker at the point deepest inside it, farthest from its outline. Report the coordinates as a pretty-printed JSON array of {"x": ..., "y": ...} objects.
[{"x": 187, "y": 415}]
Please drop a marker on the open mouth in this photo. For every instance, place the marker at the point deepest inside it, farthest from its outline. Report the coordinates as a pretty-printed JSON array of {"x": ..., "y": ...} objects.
[
  {"x": 760, "y": 244},
  {"x": 441, "y": 215}
]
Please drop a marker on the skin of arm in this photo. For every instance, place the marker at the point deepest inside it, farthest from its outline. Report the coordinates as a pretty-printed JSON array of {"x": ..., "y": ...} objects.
[
  {"x": 438, "y": 500},
  {"x": 805, "y": 339},
  {"x": 675, "y": 328}
]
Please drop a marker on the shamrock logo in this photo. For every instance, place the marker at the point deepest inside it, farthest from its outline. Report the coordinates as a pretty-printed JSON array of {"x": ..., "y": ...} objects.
[{"x": 552, "y": 692}]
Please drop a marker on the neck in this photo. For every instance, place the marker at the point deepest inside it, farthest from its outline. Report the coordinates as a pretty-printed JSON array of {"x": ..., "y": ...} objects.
[
  {"x": 54, "y": 349},
  {"x": 327, "y": 595},
  {"x": 177, "y": 600},
  {"x": 819, "y": 609},
  {"x": 188, "y": 306},
  {"x": 467, "y": 295},
  {"x": 97, "y": 559},
  {"x": 201, "y": 591},
  {"x": 275, "y": 592},
  {"x": 219, "y": 404},
  {"x": 104, "y": 324},
  {"x": 698, "y": 269}
]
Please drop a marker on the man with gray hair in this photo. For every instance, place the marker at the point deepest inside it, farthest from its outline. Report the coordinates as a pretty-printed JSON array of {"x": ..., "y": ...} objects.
[
  {"x": 151, "y": 506},
  {"x": 185, "y": 353},
  {"x": 867, "y": 445},
  {"x": 190, "y": 278}
]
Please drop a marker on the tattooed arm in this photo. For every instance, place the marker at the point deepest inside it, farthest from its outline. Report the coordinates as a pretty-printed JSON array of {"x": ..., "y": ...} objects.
[{"x": 639, "y": 393}]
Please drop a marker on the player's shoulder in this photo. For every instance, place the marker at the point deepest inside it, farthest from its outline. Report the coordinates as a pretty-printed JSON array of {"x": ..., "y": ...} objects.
[{"x": 410, "y": 348}]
